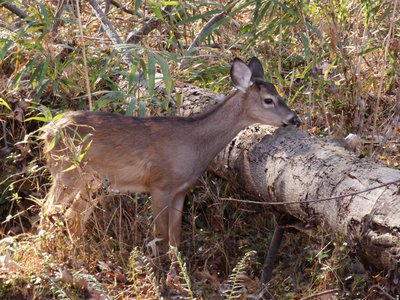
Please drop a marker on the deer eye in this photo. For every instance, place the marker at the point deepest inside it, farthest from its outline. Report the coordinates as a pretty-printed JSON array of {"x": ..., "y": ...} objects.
[{"x": 268, "y": 101}]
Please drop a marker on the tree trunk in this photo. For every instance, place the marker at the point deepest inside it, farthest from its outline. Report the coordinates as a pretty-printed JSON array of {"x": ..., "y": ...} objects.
[{"x": 288, "y": 165}]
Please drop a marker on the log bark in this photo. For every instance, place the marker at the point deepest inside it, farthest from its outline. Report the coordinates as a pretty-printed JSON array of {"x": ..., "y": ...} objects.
[{"x": 288, "y": 169}]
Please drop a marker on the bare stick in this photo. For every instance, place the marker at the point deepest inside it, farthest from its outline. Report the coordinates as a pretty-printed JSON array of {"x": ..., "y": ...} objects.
[
  {"x": 4, "y": 125},
  {"x": 380, "y": 290},
  {"x": 14, "y": 9},
  {"x": 273, "y": 249},
  {"x": 84, "y": 56},
  {"x": 106, "y": 23},
  {"x": 317, "y": 295},
  {"x": 313, "y": 200},
  {"x": 227, "y": 8},
  {"x": 396, "y": 117},
  {"x": 378, "y": 100},
  {"x": 149, "y": 26},
  {"x": 107, "y": 9},
  {"x": 57, "y": 18},
  {"x": 125, "y": 9}
]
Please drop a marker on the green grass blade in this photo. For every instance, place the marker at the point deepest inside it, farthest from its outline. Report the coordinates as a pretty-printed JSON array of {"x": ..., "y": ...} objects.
[
  {"x": 4, "y": 103},
  {"x": 132, "y": 106},
  {"x": 5, "y": 48},
  {"x": 45, "y": 14},
  {"x": 166, "y": 76},
  {"x": 137, "y": 5},
  {"x": 151, "y": 71}
]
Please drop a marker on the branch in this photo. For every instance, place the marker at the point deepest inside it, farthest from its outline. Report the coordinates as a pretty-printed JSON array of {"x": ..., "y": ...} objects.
[
  {"x": 136, "y": 36},
  {"x": 227, "y": 9},
  {"x": 14, "y": 9},
  {"x": 394, "y": 182},
  {"x": 125, "y": 9},
  {"x": 57, "y": 18},
  {"x": 106, "y": 23}
]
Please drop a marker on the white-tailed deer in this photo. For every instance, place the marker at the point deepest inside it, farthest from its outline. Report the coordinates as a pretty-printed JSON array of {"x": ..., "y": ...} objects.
[{"x": 160, "y": 155}]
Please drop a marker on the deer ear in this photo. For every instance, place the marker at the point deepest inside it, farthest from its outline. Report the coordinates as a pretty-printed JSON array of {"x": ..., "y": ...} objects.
[
  {"x": 256, "y": 68},
  {"x": 240, "y": 75}
]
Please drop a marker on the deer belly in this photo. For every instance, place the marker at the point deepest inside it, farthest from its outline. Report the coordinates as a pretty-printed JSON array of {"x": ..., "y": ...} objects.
[{"x": 124, "y": 179}]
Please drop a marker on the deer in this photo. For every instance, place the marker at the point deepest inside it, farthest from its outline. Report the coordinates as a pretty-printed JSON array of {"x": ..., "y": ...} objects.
[{"x": 160, "y": 155}]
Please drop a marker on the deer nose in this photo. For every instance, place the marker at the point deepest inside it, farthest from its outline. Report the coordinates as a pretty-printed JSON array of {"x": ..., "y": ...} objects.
[{"x": 295, "y": 121}]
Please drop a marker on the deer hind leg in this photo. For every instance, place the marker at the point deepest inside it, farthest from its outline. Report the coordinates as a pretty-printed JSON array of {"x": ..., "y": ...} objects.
[
  {"x": 78, "y": 214},
  {"x": 175, "y": 228},
  {"x": 59, "y": 197}
]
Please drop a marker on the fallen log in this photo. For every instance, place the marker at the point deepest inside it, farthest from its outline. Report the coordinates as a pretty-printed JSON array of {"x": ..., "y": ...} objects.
[{"x": 318, "y": 182}]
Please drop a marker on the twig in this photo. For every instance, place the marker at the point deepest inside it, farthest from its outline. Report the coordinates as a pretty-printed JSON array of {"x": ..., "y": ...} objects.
[
  {"x": 396, "y": 117},
  {"x": 136, "y": 36},
  {"x": 314, "y": 200},
  {"x": 84, "y": 57},
  {"x": 125, "y": 9},
  {"x": 357, "y": 89},
  {"x": 378, "y": 100},
  {"x": 4, "y": 126},
  {"x": 226, "y": 10},
  {"x": 107, "y": 9},
  {"x": 106, "y": 23},
  {"x": 14, "y": 9},
  {"x": 273, "y": 249},
  {"x": 320, "y": 294},
  {"x": 379, "y": 289},
  {"x": 57, "y": 18}
]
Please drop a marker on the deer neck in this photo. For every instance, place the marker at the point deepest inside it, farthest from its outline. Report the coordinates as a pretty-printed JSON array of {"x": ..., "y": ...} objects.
[{"x": 213, "y": 130}]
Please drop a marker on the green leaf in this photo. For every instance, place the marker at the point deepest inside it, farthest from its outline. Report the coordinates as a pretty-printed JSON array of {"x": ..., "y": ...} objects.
[
  {"x": 261, "y": 14},
  {"x": 285, "y": 8},
  {"x": 44, "y": 70},
  {"x": 133, "y": 76},
  {"x": 82, "y": 155},
  {"x": 5, "y": 48},
  {"x": 151, "y": 71},
  {"x": 157, "y": 12},
  {"x": 45, "y": 115},
  {"x": 106, "y": 66},
  {"x": 170, "y": 3},
  {"x": 42, "y": 89},
  {"x": 166, "y": 75},
  {"x": 197, "y": 17},
  {"x": 45, "y": 14},
  {"x": 214, "y": 26},
  {"x": 53, "y": 142},
  {"x": 109, "y": 97},
  {"x": 137, "y": 5},
  {"x": 368, "y": 50},
  {"x": 4, "y": 103},
  {"x": 73, "y": 166},
  {"x": 142, "y": 108},
  {"x": 306, "y": 44},
  {"x": 392, "y": 59},
  {"x": 131, "y": 106}
]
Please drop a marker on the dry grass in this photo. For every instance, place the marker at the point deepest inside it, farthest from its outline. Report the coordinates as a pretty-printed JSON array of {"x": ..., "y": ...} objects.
[
  {"x": 338, "y": 65},
  {"x": 222, "y": 253}
]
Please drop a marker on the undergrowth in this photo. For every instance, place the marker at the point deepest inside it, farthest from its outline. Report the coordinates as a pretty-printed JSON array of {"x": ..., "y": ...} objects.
[{"x": 335, "y": 61}]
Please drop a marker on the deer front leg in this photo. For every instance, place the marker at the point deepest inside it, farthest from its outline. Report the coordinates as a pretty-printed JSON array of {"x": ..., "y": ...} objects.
[
  {"x": 175, "y": 219},
  {"x": 159, "y": 203}
]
